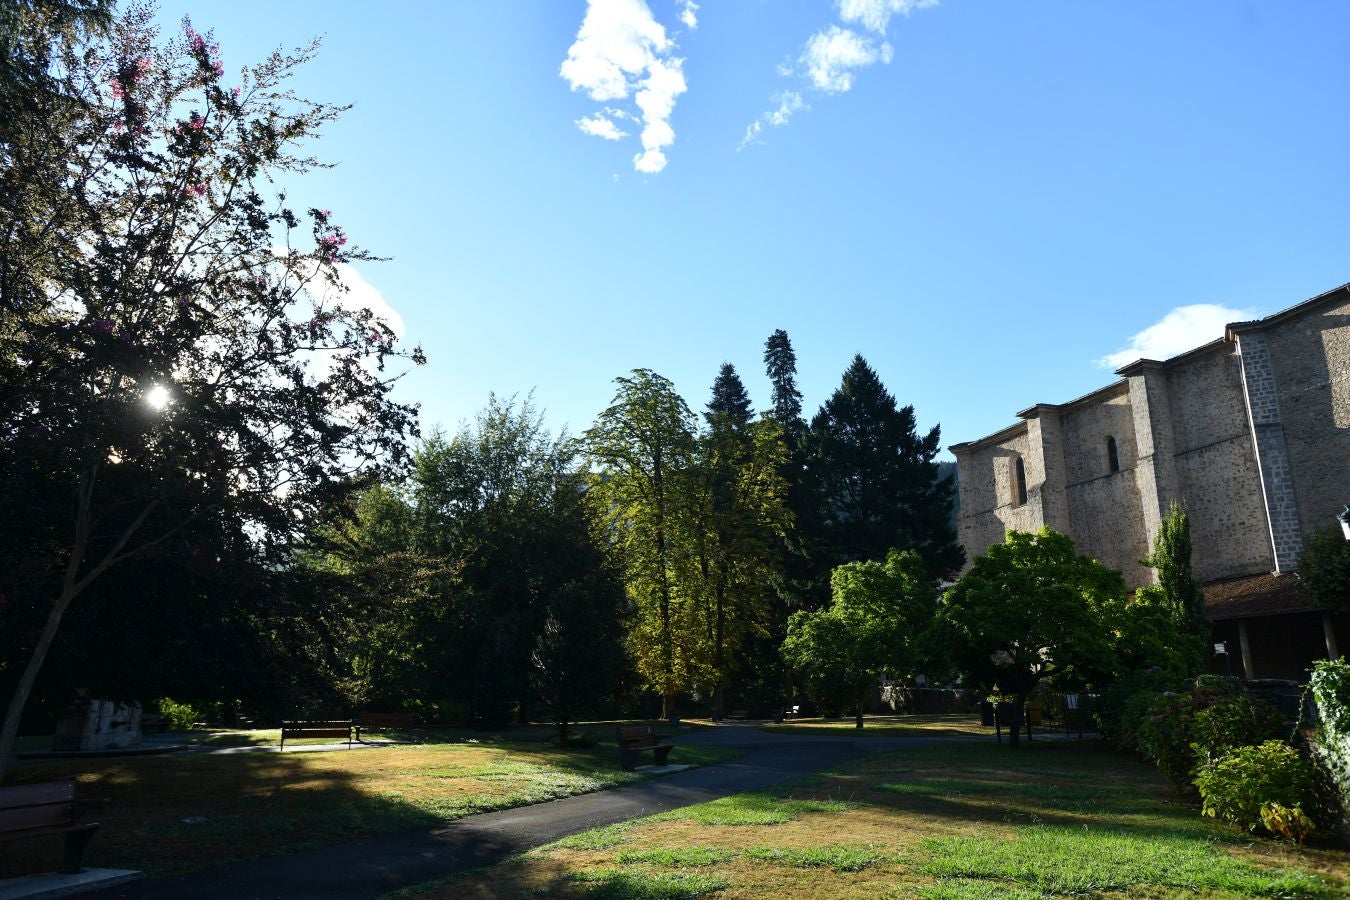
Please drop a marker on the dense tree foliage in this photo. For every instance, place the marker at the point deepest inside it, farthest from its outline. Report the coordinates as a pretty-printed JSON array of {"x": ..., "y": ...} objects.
[
  {"x": 469, "y": 588},
  {"x": 873, "y": 626},
  {"x": 741, "y": 521},
  {"x": 1324, "y": 569},
  {"x": 177, "y": 355},
  {"x": 1030, "y": 609},
  {"x": 873, "y": 480},
  {"x": 1177, "y": 590},
  {"x": 644, "y": 448}
]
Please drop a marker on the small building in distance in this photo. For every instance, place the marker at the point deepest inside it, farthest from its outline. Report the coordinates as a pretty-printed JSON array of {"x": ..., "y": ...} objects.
[{"x": 1250, "y": 433}]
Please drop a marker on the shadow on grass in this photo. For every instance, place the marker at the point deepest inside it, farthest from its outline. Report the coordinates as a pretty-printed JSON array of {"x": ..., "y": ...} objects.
[{"x": 179, "y": 813}]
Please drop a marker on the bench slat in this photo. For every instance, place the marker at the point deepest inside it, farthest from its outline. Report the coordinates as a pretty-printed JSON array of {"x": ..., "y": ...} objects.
[
  {"x": 385, "y": 720},
  {"x": 36, "y": 816},
  {"x": 37, "y": 794},
  {"x": 316, "y": 732},
  {"x": 25, "y": 833}
]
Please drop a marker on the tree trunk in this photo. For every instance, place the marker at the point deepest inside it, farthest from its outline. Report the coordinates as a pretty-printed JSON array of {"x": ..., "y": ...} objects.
[
  {"x": 719, "y": 701},
  {"x": 71, "y": 585},
  {"x": 1015, "y": 726},
  {"x": 862, "y": 706},
  {"x": 25, "y": 686}
]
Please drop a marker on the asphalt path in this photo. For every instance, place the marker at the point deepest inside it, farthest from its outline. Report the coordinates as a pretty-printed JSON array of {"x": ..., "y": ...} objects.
[{"x": 372, "y": 866}]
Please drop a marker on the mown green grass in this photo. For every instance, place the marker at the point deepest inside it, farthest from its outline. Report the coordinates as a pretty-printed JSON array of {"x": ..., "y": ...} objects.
[
  {"x": 960, "y": 821},
  {"x": 755, "y": 808},
  {"x": 189, "y": 811}
]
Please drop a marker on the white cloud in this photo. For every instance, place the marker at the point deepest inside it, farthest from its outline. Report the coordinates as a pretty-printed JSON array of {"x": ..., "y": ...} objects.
[
  {"x": 833, "y": 55},
  {"x": 688, "y": 14},
  {"x": 657, "y": 101},
  {"x": 875, "y": 15},
  {"x": 361, "y": 294},
  {"x": 1182, "y": 329},
  {"x": 622, "y": 52},
  {"x": 601, "y": 126},
  {"x": 789, "y": 103}
]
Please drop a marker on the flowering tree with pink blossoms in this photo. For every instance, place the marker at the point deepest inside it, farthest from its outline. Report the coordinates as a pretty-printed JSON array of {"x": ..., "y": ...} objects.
[{"x": 177, "y": 346}]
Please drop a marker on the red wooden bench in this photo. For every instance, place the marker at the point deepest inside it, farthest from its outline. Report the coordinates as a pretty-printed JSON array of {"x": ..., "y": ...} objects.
[
  {"x": 373, "y": 720},
  {"x": 37, "y": 810},
  {"x": 341, "y": 729}
]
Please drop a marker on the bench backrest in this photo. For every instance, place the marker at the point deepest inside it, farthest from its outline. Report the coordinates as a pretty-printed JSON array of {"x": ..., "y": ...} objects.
[
  {"x": 342, "y": 729},
  {"x": 385, "y": 720},
  {"x": 37, "y": 805},
  {"x": 635, "y": 733}
]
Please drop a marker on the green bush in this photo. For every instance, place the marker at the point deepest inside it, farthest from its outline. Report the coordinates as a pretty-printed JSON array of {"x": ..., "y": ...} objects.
[
  {"x": 1330, "y": 685},
  {"x": 1246, "y": 779},
  {"x": 1165, "y": 734},
  {"x": 1125, "y": 703},
  {"x": 1233, "y": 722},
  {"x": 180, "y": 716}
]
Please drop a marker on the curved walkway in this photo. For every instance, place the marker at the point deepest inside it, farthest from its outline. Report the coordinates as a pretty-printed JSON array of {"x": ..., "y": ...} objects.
[{"x": 372, "y": 866}]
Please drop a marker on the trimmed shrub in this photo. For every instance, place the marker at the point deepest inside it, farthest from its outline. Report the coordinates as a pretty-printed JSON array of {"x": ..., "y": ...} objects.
[
  {"x": 1246, "y": 779},
  {"x": 1165, "y": 735},
  {"x": 1233, "y": 722}
]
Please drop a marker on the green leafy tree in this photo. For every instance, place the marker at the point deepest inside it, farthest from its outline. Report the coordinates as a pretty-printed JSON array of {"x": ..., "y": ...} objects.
[
  {"x": 493, "y": 503},
  {"x": 177, "y": 347},
  {"x": 578, "y": 659},
  {"x": 873, "y": 479},
  {"x": 742, "y": 518},
  {"x": 1324, "y": 569},
  {"x": 1029, "y": 610},
  {"x": 643, "y": 446},
  {"x": 872, "y": 626},
  {"x": 1178, "y": 590}
]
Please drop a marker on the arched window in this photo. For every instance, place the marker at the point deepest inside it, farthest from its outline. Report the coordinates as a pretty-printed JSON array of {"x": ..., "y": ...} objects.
[
  {"x": 1112, "y": 457},
  {"x": 1019, "y": 482}
]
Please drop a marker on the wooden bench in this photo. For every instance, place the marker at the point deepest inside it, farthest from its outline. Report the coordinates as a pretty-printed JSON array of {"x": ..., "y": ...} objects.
[
  {"x": 340, "y": 728},
  {"x": 739, "y": 715},
  {"x": 372, "y": 720},
  {"x": 35, "y": 810},
  {"x": 634, "y": 739}
]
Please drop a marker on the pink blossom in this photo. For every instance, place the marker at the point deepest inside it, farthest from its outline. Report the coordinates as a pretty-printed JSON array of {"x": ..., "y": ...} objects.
[
  {"x": 325, "y": 213},
  {"x": 142, "y": 65},
  {"x": 118, "y": 91},
  {"x": 195, "y": 190},
  {"x": 417, "y": 405},
  {"x": 197, "y": 121},
  {"x": 235, "y": 92}
]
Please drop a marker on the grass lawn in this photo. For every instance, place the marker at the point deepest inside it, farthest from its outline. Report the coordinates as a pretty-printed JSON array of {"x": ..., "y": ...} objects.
[
  {"x": 261, "y": 804},
  {"x": 950, "y": 822},
  {"x": 889, "y": 726}
]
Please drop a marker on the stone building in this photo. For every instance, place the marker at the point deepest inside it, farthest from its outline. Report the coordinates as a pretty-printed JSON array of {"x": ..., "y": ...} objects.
[{"x": 1251, "y": 433}]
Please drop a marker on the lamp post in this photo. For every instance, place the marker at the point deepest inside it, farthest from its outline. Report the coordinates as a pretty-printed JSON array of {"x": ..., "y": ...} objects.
[{"x": 1344, "y": 517}]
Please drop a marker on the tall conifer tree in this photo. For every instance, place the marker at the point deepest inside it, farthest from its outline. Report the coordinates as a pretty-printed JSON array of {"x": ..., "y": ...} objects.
[{"x": 873, "y": 479}]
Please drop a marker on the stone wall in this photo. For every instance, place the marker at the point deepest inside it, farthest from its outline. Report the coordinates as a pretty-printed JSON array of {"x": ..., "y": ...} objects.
[
  {"x": 1311, "y": 362},
  {"x": 1251, "y": 434},
  {"x": 1217, "y": 477},
  {"x": 988, "y": 505},
  {"x": 1108, "y": 523}
]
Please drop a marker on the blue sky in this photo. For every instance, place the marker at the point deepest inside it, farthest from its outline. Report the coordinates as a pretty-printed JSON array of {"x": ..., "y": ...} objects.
[{"x": 984, "y": 198}]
